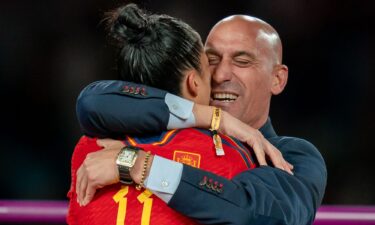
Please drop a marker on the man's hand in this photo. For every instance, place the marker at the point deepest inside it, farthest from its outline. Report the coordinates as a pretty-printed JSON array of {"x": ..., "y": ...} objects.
[
  {"x": 99, "y": 169},
  {"x": 262, "y": 147}
]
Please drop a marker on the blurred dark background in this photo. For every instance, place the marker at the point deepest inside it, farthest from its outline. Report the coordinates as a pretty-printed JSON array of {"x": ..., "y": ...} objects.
[{"x": 49, "y": 51}]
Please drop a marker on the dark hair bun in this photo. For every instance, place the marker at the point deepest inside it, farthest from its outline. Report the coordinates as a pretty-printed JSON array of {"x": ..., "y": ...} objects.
[
  {"x": 154, "y": 49},
  {"x": 129, "y": 23}
]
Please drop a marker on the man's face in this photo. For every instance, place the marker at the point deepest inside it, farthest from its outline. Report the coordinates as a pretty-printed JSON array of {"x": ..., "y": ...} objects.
[{"x": 241, "y": 69}]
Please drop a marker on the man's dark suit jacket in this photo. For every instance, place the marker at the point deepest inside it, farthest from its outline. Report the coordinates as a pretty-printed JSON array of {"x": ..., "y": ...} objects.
[{"x": 265, "y": 195}]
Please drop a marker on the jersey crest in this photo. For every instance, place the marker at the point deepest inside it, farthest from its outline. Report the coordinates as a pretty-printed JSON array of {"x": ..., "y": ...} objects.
[{"x": 188, "y": 158}]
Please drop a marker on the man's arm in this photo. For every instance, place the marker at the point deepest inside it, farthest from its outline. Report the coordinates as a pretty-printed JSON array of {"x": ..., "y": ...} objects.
[
  {"x": 265, "y": 195},
  {"x": 111, "y": 108}
]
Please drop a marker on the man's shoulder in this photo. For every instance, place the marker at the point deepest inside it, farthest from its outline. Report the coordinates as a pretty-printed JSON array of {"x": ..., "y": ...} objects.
[
  {"x": 288, "y": 140},
  {"x": 285, "y": 143},
  {"x": 301, "y": 152}
]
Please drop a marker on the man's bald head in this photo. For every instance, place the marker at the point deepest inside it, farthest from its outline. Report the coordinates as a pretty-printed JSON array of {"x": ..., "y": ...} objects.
[{"x": 265, "y": 35}]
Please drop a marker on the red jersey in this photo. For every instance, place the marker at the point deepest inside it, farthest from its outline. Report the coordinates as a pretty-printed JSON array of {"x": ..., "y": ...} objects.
[{"x": 119, "y": 204}]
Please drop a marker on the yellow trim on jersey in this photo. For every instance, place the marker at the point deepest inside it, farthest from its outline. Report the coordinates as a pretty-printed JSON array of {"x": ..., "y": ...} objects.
[
  {"x": 132, "y": 141},
  {"x": 165, "y": 139}
]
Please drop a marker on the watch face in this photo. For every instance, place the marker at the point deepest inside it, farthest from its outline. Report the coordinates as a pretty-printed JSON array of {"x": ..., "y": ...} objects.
[{"x": 127, "y": 158}]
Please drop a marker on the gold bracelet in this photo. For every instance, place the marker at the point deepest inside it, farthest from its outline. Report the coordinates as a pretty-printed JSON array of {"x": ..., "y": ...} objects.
[
  {"x": 215, "y": 124},
  {"x": 144, "y": 169}
]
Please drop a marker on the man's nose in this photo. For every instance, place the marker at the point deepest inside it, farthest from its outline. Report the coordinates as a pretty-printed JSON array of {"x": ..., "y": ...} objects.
[{"x": 222, "y": 73}]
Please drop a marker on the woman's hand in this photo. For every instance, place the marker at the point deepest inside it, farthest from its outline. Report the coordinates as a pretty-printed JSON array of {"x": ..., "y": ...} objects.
[{"x": 232, "y": 126}]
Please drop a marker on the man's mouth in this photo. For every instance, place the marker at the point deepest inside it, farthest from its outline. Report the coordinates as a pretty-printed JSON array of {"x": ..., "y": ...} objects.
[{"x": 224, "y": 97}]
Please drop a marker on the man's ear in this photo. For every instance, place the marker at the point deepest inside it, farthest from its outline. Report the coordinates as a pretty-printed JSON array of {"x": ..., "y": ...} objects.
[
  {"x": 192, "y": 84},
  {"x": 279, "y": 79}
]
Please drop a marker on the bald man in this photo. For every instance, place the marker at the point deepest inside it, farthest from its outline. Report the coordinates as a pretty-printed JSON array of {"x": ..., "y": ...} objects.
[
  {"x": 245, "y": 59},
  {"x": 244, "y": 54}
]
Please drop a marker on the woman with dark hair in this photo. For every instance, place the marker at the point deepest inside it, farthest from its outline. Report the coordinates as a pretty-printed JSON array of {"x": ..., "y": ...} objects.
[
  {"x": 166, "y": 53},
  {"x": 157, "y": 50}
]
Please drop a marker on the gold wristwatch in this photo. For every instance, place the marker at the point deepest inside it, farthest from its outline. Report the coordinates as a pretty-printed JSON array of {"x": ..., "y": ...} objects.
[{"x": 125, "y": 162}]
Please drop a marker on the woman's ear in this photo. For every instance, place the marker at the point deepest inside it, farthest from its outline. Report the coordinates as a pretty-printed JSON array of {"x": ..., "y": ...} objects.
[
  {"x": 279, "y": 79},
  {"x": 192, "y": 84}
]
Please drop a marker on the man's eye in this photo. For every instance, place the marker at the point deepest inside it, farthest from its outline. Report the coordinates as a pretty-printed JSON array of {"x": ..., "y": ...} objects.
[
  {"x": 242, "y": 62},
  {"x": 213, "y": 61}
]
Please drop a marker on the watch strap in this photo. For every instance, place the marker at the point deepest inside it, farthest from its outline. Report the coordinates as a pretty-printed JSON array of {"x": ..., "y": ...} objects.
[{"x": 124, "y": 173}]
